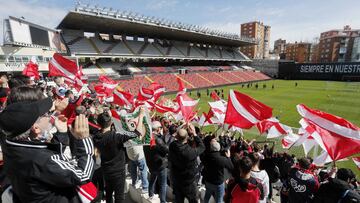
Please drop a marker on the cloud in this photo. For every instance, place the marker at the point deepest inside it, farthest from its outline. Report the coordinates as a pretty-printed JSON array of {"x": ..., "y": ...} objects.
[
  {"x": 161, "y": 4},
  {"x": 33, "y": 12}
]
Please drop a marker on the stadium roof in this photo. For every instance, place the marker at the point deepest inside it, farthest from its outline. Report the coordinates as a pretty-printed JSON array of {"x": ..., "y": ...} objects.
[{"x": 110, "y": 22}]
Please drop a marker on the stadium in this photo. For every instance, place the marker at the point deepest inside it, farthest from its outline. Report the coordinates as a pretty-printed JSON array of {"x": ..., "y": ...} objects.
[{"x": 136, "y": 50}]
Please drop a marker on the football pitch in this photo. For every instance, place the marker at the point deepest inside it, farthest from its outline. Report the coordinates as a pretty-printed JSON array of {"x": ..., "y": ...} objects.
[{"x": 339, "y": 98}]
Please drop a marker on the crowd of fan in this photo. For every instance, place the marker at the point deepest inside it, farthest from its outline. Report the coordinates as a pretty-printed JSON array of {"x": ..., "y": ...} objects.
[{"x": 46, "y": 157}]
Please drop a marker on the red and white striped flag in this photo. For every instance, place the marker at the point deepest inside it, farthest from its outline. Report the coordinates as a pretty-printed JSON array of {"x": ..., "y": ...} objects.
[
  {"x": 160, "y": 108},
  {"x": 32, "y": 70},
  {"x": 289, "y": 140},
  {"x": 210, "y": 118},
  {"x": 273, "y": 128},
  {"x": 145, "y": 94},
  {"x": 100, "y": 91},
  {"x": 244, "y": 111},
  {"x": 123, "y": 98},
  {"x": 218, "y": 109},
  {"x": 87, "y": 192},
  {"x": 202, "y": 119},
  {"x": 61, "y": 66},
  {"x": 337, "y": 136},
  {"x": 187, "y": 106},
  {"x": 158, "y": 90},
  {"x": 357, "y": 161},
  {"x": 108, "y": 84}
]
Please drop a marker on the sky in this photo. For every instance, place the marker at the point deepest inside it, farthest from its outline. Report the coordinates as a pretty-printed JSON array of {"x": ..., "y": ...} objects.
[{"x": 293, "y": 20}]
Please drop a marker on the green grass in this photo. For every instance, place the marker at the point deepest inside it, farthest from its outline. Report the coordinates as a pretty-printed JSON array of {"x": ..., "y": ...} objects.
[{"x": 339, "y": 98}]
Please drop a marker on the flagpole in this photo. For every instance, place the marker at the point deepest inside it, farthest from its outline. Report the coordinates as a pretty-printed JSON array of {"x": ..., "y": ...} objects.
[
  {"x": 315, "y": 152},
  {"x": 77, "y": 62},
  {"x": 202, "y": 126}
]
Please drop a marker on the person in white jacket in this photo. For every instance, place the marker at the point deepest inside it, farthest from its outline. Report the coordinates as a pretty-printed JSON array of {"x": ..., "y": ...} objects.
[{"x": 260, "y": 175}]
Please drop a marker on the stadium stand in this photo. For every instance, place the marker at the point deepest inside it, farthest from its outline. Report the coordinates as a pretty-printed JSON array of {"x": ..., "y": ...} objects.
[
  {"x": 96, "y": 46},
  {"x": 168, "y": 80},
  {"x": 151, "y": 50},
  {"x": 191, "y": 80},
  {"x": 195, "y": 80},
  {"x": 142, "y": 55},
  {"x": 120, "y": 49},
  {"x": 196, "y": 52},
  {"x": 213, "y": 53}
]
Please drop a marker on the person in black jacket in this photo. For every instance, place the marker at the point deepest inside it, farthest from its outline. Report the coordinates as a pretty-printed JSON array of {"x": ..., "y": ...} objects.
[
  {"x": 38, "y": 169},
  {"x": 158, "y": 158},
  {"x": 302, "y": 183},
  {"x": 214, "y": 166},
  {"x": 183, "y": 159},
  {"x": 338, "y": 189},
  {"x": 112, "y": 153}
]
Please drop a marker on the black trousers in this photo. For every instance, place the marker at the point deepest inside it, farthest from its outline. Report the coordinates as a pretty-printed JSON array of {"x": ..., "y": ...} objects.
[
  {"x": 185, "y": 191},
  {"x": 98, "y": 180},
  {"x": 115, "y": 183}
]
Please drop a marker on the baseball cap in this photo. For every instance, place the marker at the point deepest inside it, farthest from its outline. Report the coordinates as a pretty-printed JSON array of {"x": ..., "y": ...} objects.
[{"x": 18, "y": 118}]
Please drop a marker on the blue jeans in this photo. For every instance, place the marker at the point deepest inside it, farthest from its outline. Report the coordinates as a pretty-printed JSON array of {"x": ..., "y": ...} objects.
[
  {"x": 161, "y": 176},
  {"x": 141, "y": 164},
  {"x": 217, "y": 191}
]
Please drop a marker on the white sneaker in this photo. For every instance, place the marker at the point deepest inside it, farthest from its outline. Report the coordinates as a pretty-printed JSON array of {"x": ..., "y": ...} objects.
[
  {"x": 137, "y": 184},
  {"x": 153, "y": 199}
]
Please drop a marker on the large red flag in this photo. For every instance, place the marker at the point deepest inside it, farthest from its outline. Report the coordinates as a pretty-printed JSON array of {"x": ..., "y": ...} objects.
[
  {"x": 123, "y": 98},
  {"x": 145, "y": 94},
  {"x": 187, "y": 106},
  {"x": 244, "y": 111},
  {"x": 61, "y": 66},
  {"x": 337, "y": 136},
  {"x": 31, "y": 70}
]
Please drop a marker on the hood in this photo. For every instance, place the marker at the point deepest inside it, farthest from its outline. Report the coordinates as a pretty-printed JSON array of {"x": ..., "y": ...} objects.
[{"x": 338, "y": 184}]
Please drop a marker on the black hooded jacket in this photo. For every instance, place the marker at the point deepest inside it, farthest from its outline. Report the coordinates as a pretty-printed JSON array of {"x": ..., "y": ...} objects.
[
  {"x": 214, "y": 165},
  {"x": 112, "y": 150},
  {"x": 39, "y": 172},
  {"x": 156, "y": 158},
  {"x": 336, "y": 190},
  {"x": 183, "y": 160}
]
